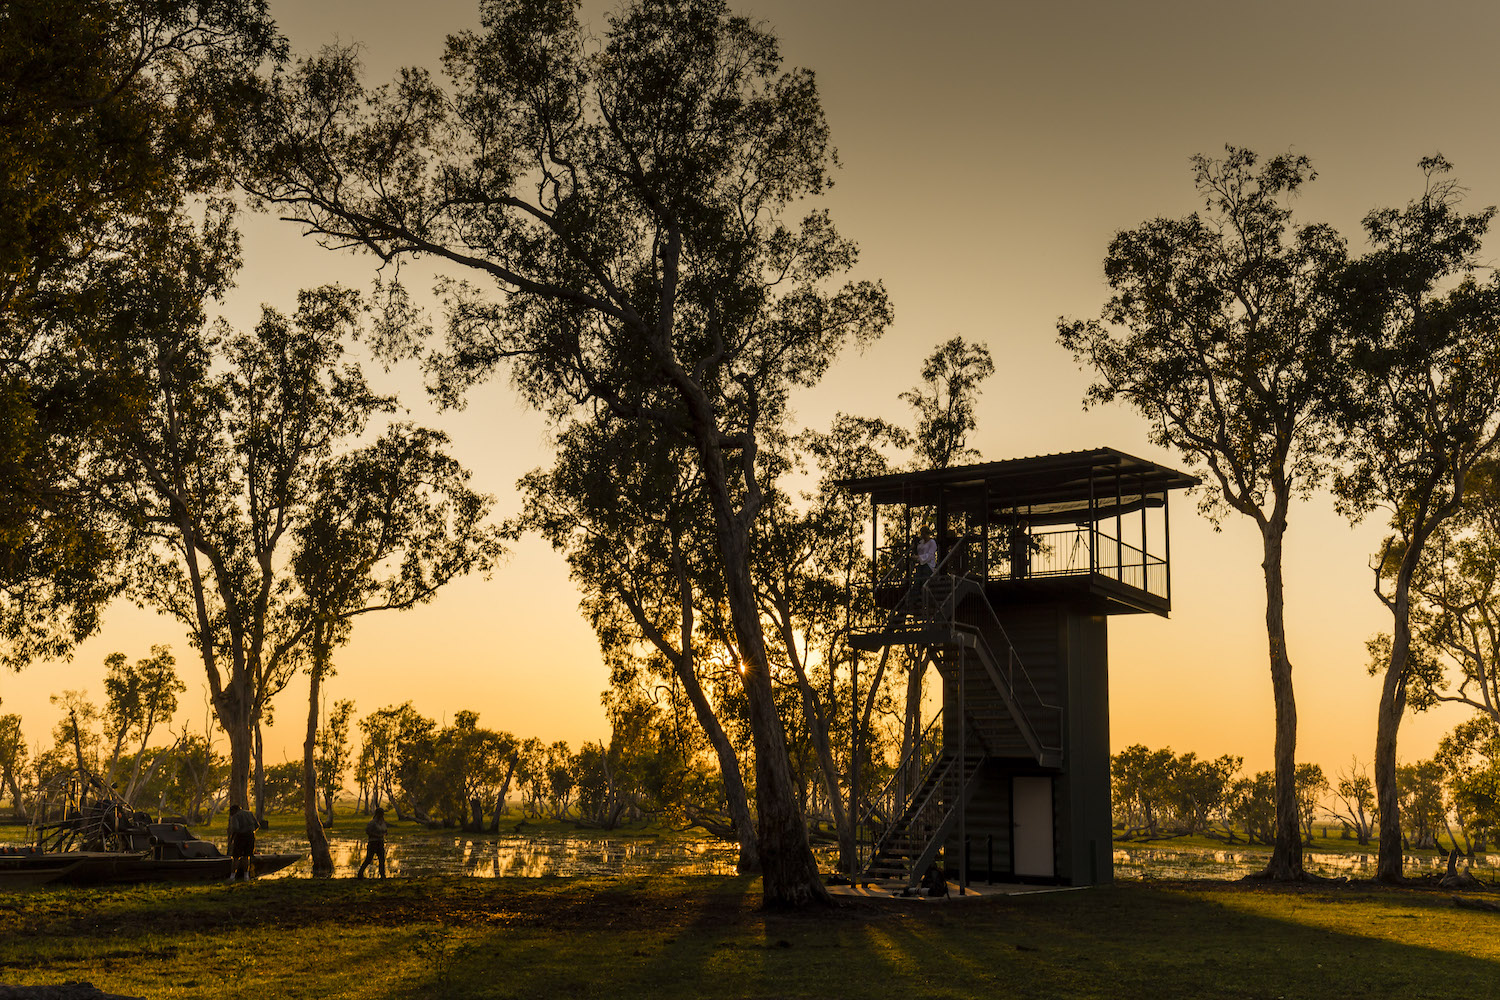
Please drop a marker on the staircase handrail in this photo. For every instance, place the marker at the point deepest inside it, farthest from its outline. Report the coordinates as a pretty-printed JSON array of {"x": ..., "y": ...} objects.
[
  {"x": 903, "y": 569},
  {"x": 1007, "y": 688},
  {"x": 903, "y": 769},
  {"x": 914, "y": 813},
  {"x": 934, "y": 831},
  {"x": 1015, "y": 656},
  {"x": 946, "y": 613}
]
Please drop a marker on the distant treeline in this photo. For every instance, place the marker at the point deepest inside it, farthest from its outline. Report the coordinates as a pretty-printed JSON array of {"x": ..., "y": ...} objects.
[{"x": 1451, "y": 800}]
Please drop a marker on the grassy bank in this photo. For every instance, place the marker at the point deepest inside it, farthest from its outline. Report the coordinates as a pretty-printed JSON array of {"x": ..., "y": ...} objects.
[{"x": 706, "y": 937}]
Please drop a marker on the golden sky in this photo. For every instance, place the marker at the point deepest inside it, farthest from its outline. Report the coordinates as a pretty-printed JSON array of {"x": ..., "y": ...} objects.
[{"x": 990, "y": 151}]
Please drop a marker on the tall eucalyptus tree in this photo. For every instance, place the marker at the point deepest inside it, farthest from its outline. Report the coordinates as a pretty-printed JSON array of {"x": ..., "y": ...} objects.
[
  {"x": 112, "y": 116},
  {"x": 631, "y": 203},
  {"x": 1219, "y": 333},
  {"x": 1420, "y": 414},
  {"x": 624, "y": 508},
  {"x": 384, "y": 527},
  {"x": 216, "y": 474}
]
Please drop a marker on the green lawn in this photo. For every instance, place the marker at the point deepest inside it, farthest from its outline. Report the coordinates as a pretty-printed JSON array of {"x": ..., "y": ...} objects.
[{"x": 706, "y": 937}]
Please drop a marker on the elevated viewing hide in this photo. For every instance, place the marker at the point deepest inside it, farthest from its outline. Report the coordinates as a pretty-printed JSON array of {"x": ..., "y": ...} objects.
[{"x": 1010, "y": 781}]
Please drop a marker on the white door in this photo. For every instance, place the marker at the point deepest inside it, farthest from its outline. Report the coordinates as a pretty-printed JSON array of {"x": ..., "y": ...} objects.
[{"x": 1031, "y": 826}]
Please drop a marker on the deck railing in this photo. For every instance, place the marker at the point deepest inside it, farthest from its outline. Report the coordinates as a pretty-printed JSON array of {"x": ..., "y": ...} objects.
[
  {"x": 1069, "y": 553},
  {"x": 1077, "y": 551}
]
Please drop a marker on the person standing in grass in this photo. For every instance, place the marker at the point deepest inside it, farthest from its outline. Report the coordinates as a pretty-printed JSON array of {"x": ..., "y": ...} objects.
[
  {"x": 242, "y": 826},
  {"x": 374, "y": 842}
]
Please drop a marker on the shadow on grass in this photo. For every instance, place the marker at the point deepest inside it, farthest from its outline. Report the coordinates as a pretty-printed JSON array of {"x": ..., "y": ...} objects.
[
  {"x": 1121, "y": 942},
  {"x": 627, "y": 940},
  {"x": 707, "y": 937}
]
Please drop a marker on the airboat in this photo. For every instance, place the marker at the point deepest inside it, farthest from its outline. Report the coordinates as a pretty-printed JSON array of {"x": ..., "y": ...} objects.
[{"x": 105, "y": 841}]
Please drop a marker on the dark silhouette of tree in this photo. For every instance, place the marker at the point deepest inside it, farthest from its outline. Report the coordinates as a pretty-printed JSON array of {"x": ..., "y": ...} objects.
[
  {"x": 631, "y": 202},
  {"x": 1158, "y": 793},
  {"x": 13, "y": 755},
  {"x": 333, "y": 753},
  {"x": 1356, "y": 801},
  {"x": 1470, "y": 759},
  {"x": 952, "y": 376},
  {"x": 398, "y": 741},
  {"x": 139, "y": 697},
  {"x": 624, "y": 505},
  {"x": 383, "y": 528},
  {"x": 218, "y": 473},
  {"x": 1455, "y": 605},
  {"x": 1455, "y": 637},
  {"x": 945, "y": 402},
  {"x": 1423, "y": 803},
  {"x": 1141, "y": 780},
  {"x": 797, "y": 570},
  {"x": 1219, "y": 333},
  {"x": 1421, "y": 411},
  {"x": 808, "y": 552},
  {"x": 112, "y": 115},
  {"x": 1312, "y": 783}
]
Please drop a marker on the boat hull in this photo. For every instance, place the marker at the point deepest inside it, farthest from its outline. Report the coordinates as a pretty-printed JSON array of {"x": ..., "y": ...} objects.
[{"x": 24, "y": 871}]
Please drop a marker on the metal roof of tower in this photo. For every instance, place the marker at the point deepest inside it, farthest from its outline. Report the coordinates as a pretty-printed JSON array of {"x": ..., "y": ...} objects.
[{"x": 1063, "y": 479}]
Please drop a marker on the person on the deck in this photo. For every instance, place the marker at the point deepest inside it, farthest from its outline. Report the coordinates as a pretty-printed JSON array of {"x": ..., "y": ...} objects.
[
  {"x": 374, "y": 842},
  {"x": 926, "y": 566},
  {"x": 1020, "y": 552},
  {"x": 926, "y": 559},
  {"x": 242, "y": 827}
]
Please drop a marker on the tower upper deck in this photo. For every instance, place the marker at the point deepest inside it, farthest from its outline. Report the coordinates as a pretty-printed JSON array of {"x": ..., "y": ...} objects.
[{"x": 1085, "y": 526}]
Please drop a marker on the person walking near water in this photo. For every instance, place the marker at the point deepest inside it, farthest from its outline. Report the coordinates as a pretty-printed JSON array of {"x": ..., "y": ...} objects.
[
  {"x": 242, "y": 827},
  {"x": 374, "y": 842}
]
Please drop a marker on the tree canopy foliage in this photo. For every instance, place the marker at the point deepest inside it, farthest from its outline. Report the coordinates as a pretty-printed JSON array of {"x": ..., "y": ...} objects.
[
  {"x": 1418, "y": 410},
  {"x": 112, "y": 114}
]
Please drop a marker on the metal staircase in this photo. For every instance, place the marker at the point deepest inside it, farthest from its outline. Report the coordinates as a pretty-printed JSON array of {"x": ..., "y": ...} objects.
[
  {"x": 911, "y": 843},
  {"x": 911, "y": 818}
]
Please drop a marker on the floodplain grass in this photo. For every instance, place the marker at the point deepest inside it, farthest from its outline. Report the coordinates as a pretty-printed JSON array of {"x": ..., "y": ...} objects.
[
  {"x": 705, "y": 936},
  {"x": 1320, "y": 843}
]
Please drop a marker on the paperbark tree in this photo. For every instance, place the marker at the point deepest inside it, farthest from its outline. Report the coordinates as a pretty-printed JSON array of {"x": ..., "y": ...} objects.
[
  {"x": 852, "y": 448},
  {"x": 801, "y": 599},
  {"x": 1469, "y": 757},
  {"x": 630, "y": 201},
  {"x": 138, "y": 698},
  {"x": 385, "y": 527},
  {"x": 1455, "y": 606},
  {"x": 1225, "y": 325},
  {"x": 1421, "y": 411},
  {"x": 624, "y": 508},
  {"x": 944, "y": 403},
  {"x": 1356, "y": 796},
  {"x": 218, "y": 473},
  {"x": 807, "y": 555},
  {"x": 13, "y": 754},
  {"x": 333, "y": 754}
]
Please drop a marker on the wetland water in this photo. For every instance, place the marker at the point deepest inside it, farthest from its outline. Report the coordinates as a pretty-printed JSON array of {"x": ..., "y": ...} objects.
[
  {"x": 516, "y": 855},
  {"x": 1196, "y": 862},
  {"x": 534, "y": 856}
]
